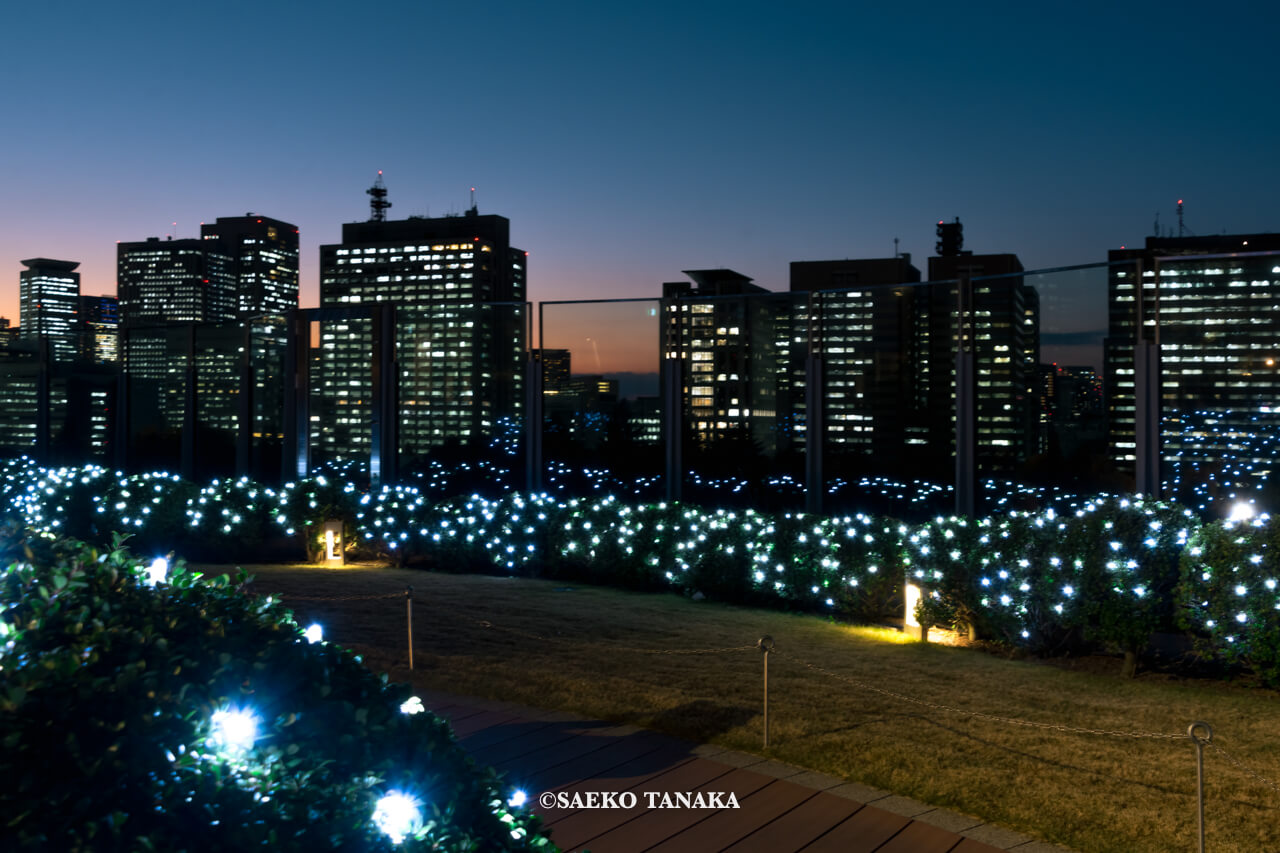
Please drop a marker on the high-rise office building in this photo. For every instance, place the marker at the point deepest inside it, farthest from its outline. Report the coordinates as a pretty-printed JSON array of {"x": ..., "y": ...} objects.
[
  {"x": 458, "y": 287},
  {"x": 174, "y": 281},
  {"x": 734, "y": 337},
  {"x": 49, "y": 296},
  {"x": 1211, "y": 307},
  {"x": 1005, "y": 342},
  {"x": 264, "y": 261},
  {"x": 193, "y": 314},
  {"x": 861, "y": 313}
]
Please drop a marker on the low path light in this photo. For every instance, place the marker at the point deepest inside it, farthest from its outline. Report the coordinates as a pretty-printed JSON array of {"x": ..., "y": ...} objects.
[{"x": 334, "y": 550}]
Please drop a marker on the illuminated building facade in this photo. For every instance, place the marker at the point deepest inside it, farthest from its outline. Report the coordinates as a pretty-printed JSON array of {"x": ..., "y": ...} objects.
[
  {"x": 264, "y": 261},
  {"x": 1006, "y": 348},
  {"x": 198, "y": 319},
  {"x": 734, "y": 338},
  {"x": 48, "y": 301},
  {"x": 860, "y": 314},
  {"x": 458, "y": 288},
  {"x": 174, "y": 281},
  {"x": 98, "y": 323},
  {"x": 1211, "y": 307}
]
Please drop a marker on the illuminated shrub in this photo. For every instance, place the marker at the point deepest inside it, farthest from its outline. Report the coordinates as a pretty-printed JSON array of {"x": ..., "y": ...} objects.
[
  {"x": 140, "y": 713},
  {"x": 1124, "y": 556},
  {"x": 1103, "y": 572},
  {"x": 1098, "y": 572},
  {"x": 1229, "y": 595}
]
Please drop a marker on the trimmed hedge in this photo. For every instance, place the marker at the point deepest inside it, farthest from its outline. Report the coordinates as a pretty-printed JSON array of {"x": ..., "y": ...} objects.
[
  {"x": 1229, "y": 594},
  {"x": 112, "y": 685},
  {"x": 1105, "y": 572}
]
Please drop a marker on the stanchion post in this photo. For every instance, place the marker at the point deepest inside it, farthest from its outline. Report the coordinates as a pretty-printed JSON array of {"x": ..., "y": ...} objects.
[
  {"x": 765, "y": 645},
  {"x": 408, "y": 604},
  {"x": 1200, "y": 741}
]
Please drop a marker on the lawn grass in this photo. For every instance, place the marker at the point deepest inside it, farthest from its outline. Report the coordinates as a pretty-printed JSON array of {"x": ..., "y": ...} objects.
[{"x": 595, "y": 651}]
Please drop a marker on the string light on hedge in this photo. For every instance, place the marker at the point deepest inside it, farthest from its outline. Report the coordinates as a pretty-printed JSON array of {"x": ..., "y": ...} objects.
[
  {"x": 234, "y": 729},
  {"x": 517, "y": 799},
  {"x": 158, "y": 571},
  {"x": 1242, "y": 512},
  {"x": 398, "y": 815},
  {"x": 314, "y": 633}
]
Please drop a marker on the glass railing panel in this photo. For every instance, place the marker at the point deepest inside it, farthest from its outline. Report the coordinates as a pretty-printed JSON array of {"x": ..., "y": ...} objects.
[
  {"x": 1037, "y": 341},
  {"x": 267, "y": 339},
  {"x": 1215, "y": 321},
  {"x": 887, "y": 371},
  {"x": 19, "y": 388},
  {"x": 218, "y": 360},
  {"x": 155, "y": 360},
  {"x": 602, "y": 420},
  {"x": 741, "y": 394},
  {"x": 340, "y": 390},
  {"x": 460, "y": 396}
]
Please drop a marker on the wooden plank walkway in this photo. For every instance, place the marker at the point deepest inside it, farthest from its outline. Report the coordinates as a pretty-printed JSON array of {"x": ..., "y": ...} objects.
[{"x": 781, "y": 809}]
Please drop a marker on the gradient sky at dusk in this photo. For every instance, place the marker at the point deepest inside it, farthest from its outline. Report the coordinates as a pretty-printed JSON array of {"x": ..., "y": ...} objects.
[{"x": 629, "y": 143}]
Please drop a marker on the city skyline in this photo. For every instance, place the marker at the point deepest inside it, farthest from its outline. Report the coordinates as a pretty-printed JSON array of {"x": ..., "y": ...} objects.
[{"x": 625, "y": 146}]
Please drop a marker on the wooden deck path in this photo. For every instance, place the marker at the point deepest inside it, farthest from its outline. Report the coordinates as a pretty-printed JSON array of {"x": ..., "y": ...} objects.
[{"x": 782, "y": 809}]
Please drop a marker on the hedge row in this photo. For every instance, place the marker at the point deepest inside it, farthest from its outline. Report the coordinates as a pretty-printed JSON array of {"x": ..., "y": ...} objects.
[{"x": 1104, "y": 572}]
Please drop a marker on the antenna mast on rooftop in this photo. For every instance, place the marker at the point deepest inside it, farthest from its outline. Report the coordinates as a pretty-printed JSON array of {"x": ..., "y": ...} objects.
[
  {"x": 1182, "y": 229},
  {"x": 378, "y": 203}
]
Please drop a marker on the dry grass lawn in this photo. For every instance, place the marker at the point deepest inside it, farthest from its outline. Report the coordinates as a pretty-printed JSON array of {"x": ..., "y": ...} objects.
[{"x": 598, "y": 652}]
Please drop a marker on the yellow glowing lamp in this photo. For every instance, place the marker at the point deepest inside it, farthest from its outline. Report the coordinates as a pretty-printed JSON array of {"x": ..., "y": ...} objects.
[
  {"x": 334, "y": 553},
  {"x": 911, "y": 625}
]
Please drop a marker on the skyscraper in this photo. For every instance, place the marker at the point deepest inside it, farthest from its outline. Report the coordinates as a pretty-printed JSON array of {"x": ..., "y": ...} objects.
[
  {"x": 174, "y": 281},
  {"x": 1005, "y": 342},
  {"x": 734, "y": 337},
  {"x": 264, "y": 261},
  {"x": 458, "y": 287},
  {"x": 1211, "y": 308},
  {"x": 195, "y": 315},
  {"x": 49, "y": 296},
  {"x": 863, "y": 314}
]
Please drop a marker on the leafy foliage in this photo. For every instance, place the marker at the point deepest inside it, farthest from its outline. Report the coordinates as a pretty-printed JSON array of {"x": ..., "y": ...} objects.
[
  {"x": 1229, "y": 594},
  {"x": 110, "y": 685}
]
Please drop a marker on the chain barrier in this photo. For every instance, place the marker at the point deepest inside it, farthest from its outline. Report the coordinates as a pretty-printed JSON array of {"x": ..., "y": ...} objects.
[
  {"x": 389, "y": 595},
  {"x": 1243, "y": 769},
  {"x": 484, "y": 623},
  {"x": 995, "y": 718}
]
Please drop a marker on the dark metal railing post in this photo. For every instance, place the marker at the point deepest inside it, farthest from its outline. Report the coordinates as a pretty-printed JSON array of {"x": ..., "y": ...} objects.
[
  {"x": 1200, "y": 741},
  {"x": 765, "y": 644},
  {"x": 966, "y": 405},
  {"x": 1146, "y": 393},
  {"x": 190, "y": 400},
  {"x": 814, "y": 413}
]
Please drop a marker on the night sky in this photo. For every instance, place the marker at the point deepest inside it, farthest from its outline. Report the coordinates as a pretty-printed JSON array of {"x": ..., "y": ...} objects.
[{"x": 628, "y": 145}]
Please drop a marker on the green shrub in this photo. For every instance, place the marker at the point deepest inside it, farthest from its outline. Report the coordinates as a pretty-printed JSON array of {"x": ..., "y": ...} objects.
[
  {"x": 1229, "y": 596},
  {"x": 1125, "y": 555},
  {"x": 112, "y": 690}
]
